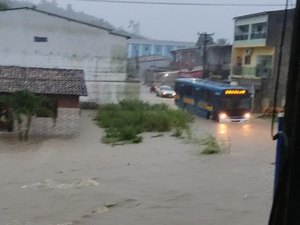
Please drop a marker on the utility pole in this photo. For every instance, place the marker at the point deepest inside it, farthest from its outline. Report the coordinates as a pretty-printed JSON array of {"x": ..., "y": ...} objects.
[
  {"x": 204, "y": 55},
  {"x": 286, "y": 205},
  {"x": 204, "y": 51}
]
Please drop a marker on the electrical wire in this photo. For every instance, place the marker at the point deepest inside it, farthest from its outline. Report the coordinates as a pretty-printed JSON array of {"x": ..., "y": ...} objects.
[
  {"x": 180, "y": 3},
  {"x": 278, "y": 73}
]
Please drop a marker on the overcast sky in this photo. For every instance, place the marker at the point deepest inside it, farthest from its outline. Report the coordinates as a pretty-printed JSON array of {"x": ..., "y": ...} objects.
[{"x": 166, "y": 22}]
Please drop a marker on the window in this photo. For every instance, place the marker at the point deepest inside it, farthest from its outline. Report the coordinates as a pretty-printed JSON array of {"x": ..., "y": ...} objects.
[
  {"x": 264, "y": 66},
  {"x": 135, "y": 50},
  {"x": 158, "y": 50},
  {"x": 247, "y": 59},
  {"x": 178, "y": 57},
  {"x": 169, "y": 48},
  {"x": 40, "y": 39},
  {"x": 258, "y": 30},
  {"x": 241, "y": 32},
  {"x": 205, "y": 95},
  {"x": 188, "y": 90},
  {"x": 146, "y": 50}
]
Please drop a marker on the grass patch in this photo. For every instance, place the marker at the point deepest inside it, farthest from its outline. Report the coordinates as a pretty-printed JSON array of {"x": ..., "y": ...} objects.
[
  {"x": 126, "y": 120},
  {"x": 178, "y": 132},
  {"x": 209, "y": 145}
]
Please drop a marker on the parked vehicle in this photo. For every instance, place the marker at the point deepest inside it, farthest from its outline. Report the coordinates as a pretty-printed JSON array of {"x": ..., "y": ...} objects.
[{"x": 165, "y": 91}]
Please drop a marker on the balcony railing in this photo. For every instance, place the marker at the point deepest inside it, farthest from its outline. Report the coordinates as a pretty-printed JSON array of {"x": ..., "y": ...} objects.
[
  {"x": 258, "y": 71},
  {"x": 258, "y": 35},
  {"x": 241, "y": 36}
]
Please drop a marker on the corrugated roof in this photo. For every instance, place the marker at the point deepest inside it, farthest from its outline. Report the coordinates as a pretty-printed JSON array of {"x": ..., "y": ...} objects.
[{"x": 42, "y": 80}]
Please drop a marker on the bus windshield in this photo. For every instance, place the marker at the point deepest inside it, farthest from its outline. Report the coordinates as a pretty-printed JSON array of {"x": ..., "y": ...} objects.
[{"x": 236, "y": 102}]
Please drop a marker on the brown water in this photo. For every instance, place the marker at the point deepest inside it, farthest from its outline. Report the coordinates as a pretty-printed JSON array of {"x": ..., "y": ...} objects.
[{"x": 163, "y": 180}]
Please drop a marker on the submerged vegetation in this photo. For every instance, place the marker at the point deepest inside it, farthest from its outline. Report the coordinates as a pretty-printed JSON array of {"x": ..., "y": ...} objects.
[
  {"x": 209, "y": 145},
  {"x": 126, "y": 120}
]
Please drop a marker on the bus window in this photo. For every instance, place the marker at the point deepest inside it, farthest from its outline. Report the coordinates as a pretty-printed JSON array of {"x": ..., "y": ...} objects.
[
  {"x": 188, "y": 90},
  {"x": 236, "y": 102},
  {"x": 210, "y": 96},
  {"x": 177, "y": 88}
]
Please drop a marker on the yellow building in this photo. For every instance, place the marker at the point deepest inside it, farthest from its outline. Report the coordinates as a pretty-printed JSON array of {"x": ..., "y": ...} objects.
[{"x": 255, "y": 55}]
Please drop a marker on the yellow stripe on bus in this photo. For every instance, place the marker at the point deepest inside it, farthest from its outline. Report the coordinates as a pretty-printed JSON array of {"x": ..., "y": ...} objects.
[
  {"x": 205, "y": 106},
  {"x": 188, "y": 100}
]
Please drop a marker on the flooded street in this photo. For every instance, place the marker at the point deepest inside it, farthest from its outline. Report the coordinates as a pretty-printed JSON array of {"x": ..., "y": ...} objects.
[{"x": 164, "y": 180}]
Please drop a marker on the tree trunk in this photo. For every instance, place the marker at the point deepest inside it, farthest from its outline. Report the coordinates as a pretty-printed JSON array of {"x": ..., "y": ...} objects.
[
  {"x": 28, "y": 123},
  {"x": 20, "y": 132}
]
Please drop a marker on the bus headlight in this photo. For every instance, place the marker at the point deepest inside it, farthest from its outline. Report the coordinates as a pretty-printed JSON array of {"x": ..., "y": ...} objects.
[
  {"x": 247, "y": 116},
  {"x": 222, "y": 116}
]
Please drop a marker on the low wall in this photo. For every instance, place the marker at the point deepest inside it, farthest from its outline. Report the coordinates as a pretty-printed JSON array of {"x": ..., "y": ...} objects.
[
  {"x": 66, "y": 124},
  {"x": 111, "y": 92}
]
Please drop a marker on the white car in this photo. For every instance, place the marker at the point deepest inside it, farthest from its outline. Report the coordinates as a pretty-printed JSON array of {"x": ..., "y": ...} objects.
[{"x": 165, "y": 91}]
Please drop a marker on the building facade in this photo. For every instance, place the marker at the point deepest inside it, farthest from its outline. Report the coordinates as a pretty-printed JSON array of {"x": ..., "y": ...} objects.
[
  {"x": 35, "y": 38},
  {"x": 62, "y": 87},
  {"x": 255, "y": 55},
  {"x": 138, "y": 66},
  {"x": 138, "y": 47},
  {"x": 218, "y": 60}
]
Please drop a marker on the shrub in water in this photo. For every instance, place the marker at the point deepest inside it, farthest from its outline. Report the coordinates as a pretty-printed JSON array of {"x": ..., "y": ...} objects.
[
  {"x": 211, "y": 145},
  {"x": 131, "y": 117}
]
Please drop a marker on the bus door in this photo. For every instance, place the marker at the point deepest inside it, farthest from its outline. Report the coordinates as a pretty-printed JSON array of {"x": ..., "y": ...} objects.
[
  {"x": 188, "y": 98},
  {"x": 206, "y": 103},
  {"x": 197, "y": 109},
  {"x": 179, "y": 89}
]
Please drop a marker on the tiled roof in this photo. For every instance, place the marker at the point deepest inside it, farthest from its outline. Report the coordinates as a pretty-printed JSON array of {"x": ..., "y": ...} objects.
[{"x": 42, "y": 80}]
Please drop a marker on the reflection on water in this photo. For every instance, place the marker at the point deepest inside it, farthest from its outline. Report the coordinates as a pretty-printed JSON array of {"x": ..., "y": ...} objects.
[
  {"x": 246, "y": 129},
  {"x": 222, "y": 129},
  {"x": 224, "y": 137},
  {"x": 111, "y": 92}
]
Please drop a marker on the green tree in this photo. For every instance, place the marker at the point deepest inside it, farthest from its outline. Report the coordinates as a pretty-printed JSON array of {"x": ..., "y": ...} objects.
[
  {"x": 6, "y": 111},
  {"x": 204, "y": 39},
  {"x": 25, "y": 104},
  {"x": 222, "y": 41}
]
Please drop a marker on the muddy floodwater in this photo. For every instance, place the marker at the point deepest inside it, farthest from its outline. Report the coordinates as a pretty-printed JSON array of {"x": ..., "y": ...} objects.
[{"x": 162, "y": 181}]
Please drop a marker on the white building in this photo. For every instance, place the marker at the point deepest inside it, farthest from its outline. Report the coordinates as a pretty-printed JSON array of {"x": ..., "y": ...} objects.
[{"x": 35, "y": 38}]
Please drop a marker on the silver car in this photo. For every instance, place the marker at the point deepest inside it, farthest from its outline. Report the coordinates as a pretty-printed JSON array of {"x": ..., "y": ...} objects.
[{"x": 165, "y": 91}]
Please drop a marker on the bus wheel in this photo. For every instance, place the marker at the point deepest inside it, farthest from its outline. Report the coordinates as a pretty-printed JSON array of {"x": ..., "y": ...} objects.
[
  {"x": 208, "y": 115},
  {"x": 215, "y": 117}
]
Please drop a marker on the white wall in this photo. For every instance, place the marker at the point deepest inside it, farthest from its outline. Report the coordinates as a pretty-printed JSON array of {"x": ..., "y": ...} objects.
[{"x": 70, "y": 45}]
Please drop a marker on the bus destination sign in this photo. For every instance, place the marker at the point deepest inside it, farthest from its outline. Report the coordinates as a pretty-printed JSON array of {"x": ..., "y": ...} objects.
[{"x": 235, "y": 92}]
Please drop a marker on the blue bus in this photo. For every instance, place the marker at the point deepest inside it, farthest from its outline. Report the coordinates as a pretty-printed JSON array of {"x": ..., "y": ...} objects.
[{"x": 221, "y": 102}]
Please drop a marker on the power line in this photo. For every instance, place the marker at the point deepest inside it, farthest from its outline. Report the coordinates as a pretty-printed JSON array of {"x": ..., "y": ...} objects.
[{"x": 180, "y": 3}]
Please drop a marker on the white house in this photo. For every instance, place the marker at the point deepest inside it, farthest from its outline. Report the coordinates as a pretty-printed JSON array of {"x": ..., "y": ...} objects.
[{"x": 34, "y": 38}]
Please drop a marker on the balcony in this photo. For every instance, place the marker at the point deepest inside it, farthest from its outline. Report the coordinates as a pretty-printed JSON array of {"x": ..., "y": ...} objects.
[
  {"x": 258, "y": 35},
  {"x": 241, "y": 36},
  {"x": 252, "y": 72}
]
